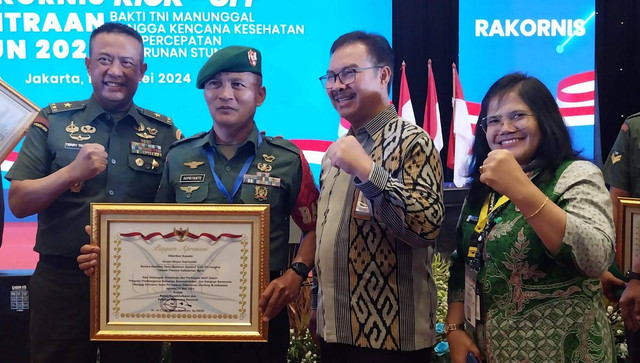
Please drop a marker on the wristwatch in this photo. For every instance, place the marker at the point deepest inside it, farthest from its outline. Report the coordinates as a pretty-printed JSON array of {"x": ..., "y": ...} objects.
[
  {"x": 451, "y": 327},
  {"x": 301, "y": 269},
  {"x": 630, "y": 275}
]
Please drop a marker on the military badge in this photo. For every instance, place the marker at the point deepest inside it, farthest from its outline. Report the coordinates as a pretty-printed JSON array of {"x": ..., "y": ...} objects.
[
  {"x": 261, "y": 179},
  {"x": 269, "y": 158},
  {"x": 253, "y": 57},
  {"x": 189, "y": 189},
  {"x": 264, "y": 167},
  {"x": 145, "y": 132},
  {"x": 193, "y": 164},
  {"x": 139, "y": 162},
  {"x": 146, "y": 148},
  {"x": 154, "y": 164},
  {"x": 261, "y": 193},
  {"x": 615, "y": 157},
  {"x": 72, "y": 128},
  {"x": 88, "y": 129},
  {"x": 78, "y": 137}
]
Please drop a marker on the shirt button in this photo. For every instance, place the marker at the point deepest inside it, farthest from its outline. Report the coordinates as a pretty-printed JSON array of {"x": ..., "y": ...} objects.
[
  {"x": 113, "y": 161},
  {"x": 228, "y": 168},
  {"x": 111, "y": 192}
]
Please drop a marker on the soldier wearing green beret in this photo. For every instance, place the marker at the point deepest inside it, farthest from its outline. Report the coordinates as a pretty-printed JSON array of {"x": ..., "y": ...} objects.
[
  {"x": 235, "y": 163},
  {"x": 104, "y": 149}
]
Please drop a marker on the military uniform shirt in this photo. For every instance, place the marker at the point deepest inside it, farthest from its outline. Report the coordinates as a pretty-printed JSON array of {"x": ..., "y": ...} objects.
[
  {"x": 136, "y": 146},
  {"x": 188, "y": 178},
  {"x": 622, "y": 167}
]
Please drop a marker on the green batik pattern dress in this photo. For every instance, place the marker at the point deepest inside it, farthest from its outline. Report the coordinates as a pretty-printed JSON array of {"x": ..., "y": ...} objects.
[{"x": 537, "y": 307}]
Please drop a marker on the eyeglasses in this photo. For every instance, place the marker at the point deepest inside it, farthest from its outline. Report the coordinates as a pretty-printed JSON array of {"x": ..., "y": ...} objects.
[
  {"x": 346, "y": 76},
  {"x": 518, "y": 119}
]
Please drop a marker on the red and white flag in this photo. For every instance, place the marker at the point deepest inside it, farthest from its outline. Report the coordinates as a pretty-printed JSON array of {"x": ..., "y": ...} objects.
[
  {"x": 432, "y": 112},
  {"x": 405, "y": 109},
  {"x": 461, "y": 135}
]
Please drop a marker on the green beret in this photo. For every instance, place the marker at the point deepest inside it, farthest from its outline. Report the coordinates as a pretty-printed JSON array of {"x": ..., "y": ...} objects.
[{"x": 231, "y": 59}]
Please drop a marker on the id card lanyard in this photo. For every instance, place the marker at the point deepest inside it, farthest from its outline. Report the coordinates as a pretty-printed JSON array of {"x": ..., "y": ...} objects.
[
  {"x": 475, "y": 260},
  {"x": 239, "y": 178}
]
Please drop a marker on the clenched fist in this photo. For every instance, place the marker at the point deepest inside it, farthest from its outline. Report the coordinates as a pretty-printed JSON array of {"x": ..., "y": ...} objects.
[
  {"x": 348, "y": 155},
  {"x": 90, "y": 161}
]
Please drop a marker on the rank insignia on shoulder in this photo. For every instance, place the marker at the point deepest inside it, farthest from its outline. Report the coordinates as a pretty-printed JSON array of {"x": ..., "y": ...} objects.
[
  {"x": 269, "y": 158},
  {"x": 66, "y": 106},
  {"x": 615, "y": 157},
  {"x": 155, "y": 115},
  {"x": 261, "y": 193},
  {"x": 193, "y": 164}
]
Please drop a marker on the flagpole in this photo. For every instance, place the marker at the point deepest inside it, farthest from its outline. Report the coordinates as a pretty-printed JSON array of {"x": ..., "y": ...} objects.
[{"x": 453, "y": 100}]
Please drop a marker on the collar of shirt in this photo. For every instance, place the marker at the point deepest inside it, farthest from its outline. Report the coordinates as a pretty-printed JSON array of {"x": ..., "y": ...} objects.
[
  {"x": 94, "y": 110},
  {"x": 210, "y": 139},
  {"x": 375, "y": 124}
]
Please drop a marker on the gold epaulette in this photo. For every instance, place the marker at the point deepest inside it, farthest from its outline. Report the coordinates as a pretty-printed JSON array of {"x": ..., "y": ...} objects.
[
  {"x": 155, "y": 116},
  {"x": 67, "y": 106}
]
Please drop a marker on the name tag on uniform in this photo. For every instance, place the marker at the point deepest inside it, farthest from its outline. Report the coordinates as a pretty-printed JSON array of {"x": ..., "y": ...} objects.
[
  {"x": 72, "y": 146},
  {"x": 191, "y": 178}
]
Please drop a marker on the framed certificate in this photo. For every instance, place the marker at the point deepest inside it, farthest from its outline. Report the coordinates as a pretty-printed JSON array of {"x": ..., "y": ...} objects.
[
  {"x": 627, "y": 232},
  {"x": 16, "y": 114},
  {"x": 176, "y": 272}
]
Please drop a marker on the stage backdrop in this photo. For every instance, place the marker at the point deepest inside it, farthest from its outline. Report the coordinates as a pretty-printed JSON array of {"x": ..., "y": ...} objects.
[
  {"x": 549, "y": 39},
  {"x": 43, "y": 46}
]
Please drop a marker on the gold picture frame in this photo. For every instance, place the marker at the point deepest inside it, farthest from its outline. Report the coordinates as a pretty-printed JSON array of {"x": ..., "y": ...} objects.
[
  {"x": 16, "y": 114},
  {"x": 178, "y": 272},
  {"x": 627, "y": 232}
]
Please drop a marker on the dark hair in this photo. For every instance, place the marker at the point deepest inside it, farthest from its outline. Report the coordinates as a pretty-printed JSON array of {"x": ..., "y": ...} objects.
[
  {"x": 119, "y": 28},
  {"x": 555, "y": 146},
  {"x": 378, "y": 46}
]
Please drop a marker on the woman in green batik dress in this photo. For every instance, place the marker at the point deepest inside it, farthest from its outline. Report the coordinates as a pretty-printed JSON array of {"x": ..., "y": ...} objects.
[{"x": 535, "y": 233}]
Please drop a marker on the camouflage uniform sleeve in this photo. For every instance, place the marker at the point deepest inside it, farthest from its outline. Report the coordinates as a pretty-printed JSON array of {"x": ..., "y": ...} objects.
[
  {"x": 618, "y": 164},
  {"x": 304, "y": 211},
  {"x": 34, "y": 159}
]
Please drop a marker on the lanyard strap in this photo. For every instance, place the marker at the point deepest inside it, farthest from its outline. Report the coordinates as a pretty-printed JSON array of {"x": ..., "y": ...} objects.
[
  {"x": 481, "y": 230},
  {"x": 487, "y": 210},
  {"x": 239, "y": 178}
]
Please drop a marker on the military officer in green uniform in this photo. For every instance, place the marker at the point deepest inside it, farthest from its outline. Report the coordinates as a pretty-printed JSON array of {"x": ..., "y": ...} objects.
[
  {"x": 622, "y": 173},
  {"x": 104, "y": 149},
  {"x": 235, "y": 163}
]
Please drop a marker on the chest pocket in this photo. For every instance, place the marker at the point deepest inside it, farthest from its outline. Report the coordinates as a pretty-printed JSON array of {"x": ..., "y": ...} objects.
[
  {"x": 191, "y": 192},
  {"x": 146, "y": 174}
]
